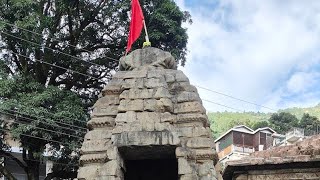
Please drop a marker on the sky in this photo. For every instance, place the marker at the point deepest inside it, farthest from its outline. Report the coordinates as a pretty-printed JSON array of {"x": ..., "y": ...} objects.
[{"x": 263, "y": 51}]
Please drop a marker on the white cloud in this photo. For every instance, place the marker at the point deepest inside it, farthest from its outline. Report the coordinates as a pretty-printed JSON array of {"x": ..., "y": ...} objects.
[{"x": 261, "y": 51}]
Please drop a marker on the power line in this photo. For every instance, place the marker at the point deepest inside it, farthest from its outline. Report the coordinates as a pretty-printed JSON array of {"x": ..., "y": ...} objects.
[
  {"x": 41, "y": 121},
  {"x": 57, "y": 66},
  {"x": 232, "y": 97},
  {"x": 3, "y": 110},
  {"x": 220, "y": 104},
  {"x": 27, "y": 135},
  {"x": 44, "y": 129},
  {"x": 8, "y": 34},
  {"x": 13, "y": 25},
  {"x": 55, "y": 115},
  {"x": 55, "y": 162}
]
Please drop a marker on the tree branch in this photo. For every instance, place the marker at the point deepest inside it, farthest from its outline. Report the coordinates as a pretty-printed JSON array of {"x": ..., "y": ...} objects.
[{"x": 6, "y": 173}]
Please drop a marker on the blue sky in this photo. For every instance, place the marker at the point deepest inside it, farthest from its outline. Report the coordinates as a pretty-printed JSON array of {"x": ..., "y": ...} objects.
[{"x": 263, "y": 51}]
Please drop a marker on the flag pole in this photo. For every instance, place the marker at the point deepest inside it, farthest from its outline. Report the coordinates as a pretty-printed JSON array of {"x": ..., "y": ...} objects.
[{"x": 147, "y": 42}]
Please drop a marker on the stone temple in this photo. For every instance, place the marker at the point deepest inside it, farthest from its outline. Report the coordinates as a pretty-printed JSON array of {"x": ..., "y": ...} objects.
[{"x": 148, "y": 124}]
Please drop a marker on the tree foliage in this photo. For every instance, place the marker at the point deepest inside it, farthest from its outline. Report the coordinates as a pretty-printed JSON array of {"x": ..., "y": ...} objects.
[
  {"x": 283, "y": 122},
  {"x": 310, "y": 124},
  {"x": 41, "y": 118},
  {"x": 90, "y": 30}
]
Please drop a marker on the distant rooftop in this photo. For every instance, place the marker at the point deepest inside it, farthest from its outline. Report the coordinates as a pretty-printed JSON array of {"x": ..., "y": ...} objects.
[{"x": 306, "y": 152}]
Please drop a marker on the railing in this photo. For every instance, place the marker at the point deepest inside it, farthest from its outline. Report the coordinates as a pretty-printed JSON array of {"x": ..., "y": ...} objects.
[
  {"x": 295, "y": 134},
  {"x": 245, "y": 149}
]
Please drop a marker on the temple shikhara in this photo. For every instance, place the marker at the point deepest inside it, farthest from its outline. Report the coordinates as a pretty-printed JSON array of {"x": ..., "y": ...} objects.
[{"x": 149, "y": 123}]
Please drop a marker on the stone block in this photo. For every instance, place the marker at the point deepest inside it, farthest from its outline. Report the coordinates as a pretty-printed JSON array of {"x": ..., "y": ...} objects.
[
  {"x": 164, "y": 105},
  {"x": 184, "y": 167},
  {"x": 135, "y": 74},
  {"x": 97, "y": 134},
  {"x": 191, "y": 117},
  {"x": 181, "y": 77},
  {"x": 149, "y": 104},
  {"x": 148, "y": 119},
  {"x": 162, "y": 93},
  {"x": 110, "y": 110},
  {"x": 154, "y": 83},
  {"x": 108, "y": 178},
  {"x": 95, "y": 146},
  {"x": 119, "y": 75},
  {"x": 112, "y": 89},
  {"x": 133, "y": 83},
  {"x": 200, "y": 142},
  {"x": 168, "y": 117},
  {"x": 169, "y": 77},
  {"x": 189, "y": 107},
  {"x": 137, "y": 94},
  {"x": 187, "y": 96},
  {"x": 88, "y": 172},
  {"x": 148, "y": 116},
  {"x": 93, "y": 158},
  {"x": 156, "y": 73},
  {"x": 163, "y": 126},
  {"x": 107, "y": 100},
  {"x": 182, "y": 152},
  {"x": 131, "y": 105},
  {"x": 124, "y": 95},
  {"x": 195, "y": 132},
  {"x": 183, "y": 86},
  {"x": 140, "y": 93},
  {"x": 129, "y": 116},
  {"x": 189, "y": 177},
  {"x": 98, "y": 122},
  {"x": 145, "y": 138},
  {"x": 110, "y": 168},
  {"x": 206, "y": 169}
]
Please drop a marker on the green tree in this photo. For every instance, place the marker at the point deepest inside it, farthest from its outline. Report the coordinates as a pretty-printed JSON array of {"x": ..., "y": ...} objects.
[
  {"x": 42, "y": 116},
  {"x": 310, "y": 124},
  {"x": 283, "y": 122},
  {"x": 73, "y": 27},
  {"x": 259, "y": 124}
]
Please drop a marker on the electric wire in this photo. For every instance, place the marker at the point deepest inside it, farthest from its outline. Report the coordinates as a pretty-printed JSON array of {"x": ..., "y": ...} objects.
[
  {"x": 43, "y": 122},
  {"x": 57, "y": 40},
  {"x": 54, "y": 50},
  {"x": 212, "y": 102},
  {"x": 232, "y": 97},
  {"x": 27, "y": 135},
  {"x": 56, "y": 66},
  {"x": 66, "y": 124},
  {"x": 65, "y": 117},
  {"x": 44, "y": 129}
]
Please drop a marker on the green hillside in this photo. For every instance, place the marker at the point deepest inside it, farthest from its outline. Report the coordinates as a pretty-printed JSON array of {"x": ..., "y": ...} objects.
[{"x": 222, "y": 121}]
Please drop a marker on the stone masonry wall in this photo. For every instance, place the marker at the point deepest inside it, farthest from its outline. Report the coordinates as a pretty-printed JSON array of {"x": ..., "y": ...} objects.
[
  {"x": 303, "y": 174},
  {"x": 148, "y": 103}
]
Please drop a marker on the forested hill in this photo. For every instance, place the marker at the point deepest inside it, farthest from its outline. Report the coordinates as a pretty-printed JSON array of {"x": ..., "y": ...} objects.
[{"x": 222, "y": 121}]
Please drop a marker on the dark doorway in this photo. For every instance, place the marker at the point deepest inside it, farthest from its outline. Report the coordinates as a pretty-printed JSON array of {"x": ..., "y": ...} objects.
[{"x": 155, "y": 169}]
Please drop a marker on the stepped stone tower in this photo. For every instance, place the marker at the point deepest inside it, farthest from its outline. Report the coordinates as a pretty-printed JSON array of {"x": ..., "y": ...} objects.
[{"x": 149, "y": 123}]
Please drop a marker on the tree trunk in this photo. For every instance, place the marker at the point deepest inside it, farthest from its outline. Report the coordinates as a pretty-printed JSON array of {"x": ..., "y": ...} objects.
[
  {"x": 6, "y": 173},
  {"x": 33, "y": 164}
]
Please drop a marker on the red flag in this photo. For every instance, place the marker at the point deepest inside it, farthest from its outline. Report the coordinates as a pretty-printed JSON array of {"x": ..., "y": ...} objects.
[{"x": 136, "y": 23}]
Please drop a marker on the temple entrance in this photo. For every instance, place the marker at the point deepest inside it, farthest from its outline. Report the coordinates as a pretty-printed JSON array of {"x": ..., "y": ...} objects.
[
  {"x": 150, "y": 162},
  {"x": 156, "y": 169}
]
